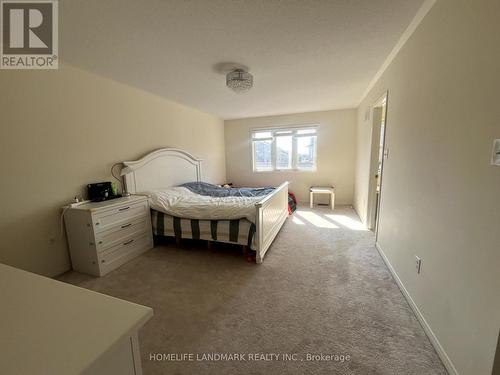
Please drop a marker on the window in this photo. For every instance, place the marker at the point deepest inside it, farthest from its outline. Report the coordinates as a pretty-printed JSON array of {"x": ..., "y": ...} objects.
[{"x": 284, "y": 149}]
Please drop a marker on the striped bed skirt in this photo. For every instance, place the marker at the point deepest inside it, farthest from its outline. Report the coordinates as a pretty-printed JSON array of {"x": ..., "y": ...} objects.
[{"x": 239, "y": 231}]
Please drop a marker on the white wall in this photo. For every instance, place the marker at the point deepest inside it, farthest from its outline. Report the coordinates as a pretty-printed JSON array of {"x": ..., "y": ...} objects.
[
  {"x": 63, "y": 129},
  {"x": 336, "y": 154},
  {"x": 440, "y": 195}
]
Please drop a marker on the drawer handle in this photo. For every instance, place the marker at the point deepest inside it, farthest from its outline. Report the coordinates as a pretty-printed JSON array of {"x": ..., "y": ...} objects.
[
  {"x": 124, "y": 208},
  {"x": 126, "y": 225},
  {"x": 128, "y": 242}
]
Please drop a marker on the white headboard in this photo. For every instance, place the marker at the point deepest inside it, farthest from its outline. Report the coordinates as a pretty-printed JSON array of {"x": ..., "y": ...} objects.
[{"x": 161, "y": 168}]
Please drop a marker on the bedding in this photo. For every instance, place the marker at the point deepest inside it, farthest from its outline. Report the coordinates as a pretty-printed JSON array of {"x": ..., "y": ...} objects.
[
  {"x": 212, "y": 204},
  {"x": 204, "y": 188},
  {"x": 238, "y": 231},
  {"x": 292, "y": 203}
]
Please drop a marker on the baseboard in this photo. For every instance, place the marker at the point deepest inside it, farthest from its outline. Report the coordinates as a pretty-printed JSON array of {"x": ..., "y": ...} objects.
[{"x": 428, "y": 330}]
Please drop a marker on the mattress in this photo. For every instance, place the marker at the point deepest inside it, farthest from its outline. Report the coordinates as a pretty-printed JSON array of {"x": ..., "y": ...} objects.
[{"x": 236, "y": 231}]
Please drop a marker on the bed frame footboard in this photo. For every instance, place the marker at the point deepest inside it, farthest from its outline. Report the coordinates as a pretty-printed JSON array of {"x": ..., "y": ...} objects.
[{"x": 272, "y": 212}]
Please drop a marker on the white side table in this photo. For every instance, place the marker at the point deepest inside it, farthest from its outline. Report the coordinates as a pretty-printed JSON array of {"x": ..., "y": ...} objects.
[{"x": 322, "y": 190}]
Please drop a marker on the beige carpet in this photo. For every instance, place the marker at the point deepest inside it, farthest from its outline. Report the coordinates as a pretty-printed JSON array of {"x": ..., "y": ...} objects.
[{"x": 322, "y": 289}]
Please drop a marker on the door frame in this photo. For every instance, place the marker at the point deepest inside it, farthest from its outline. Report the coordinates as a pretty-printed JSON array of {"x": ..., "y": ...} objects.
[{"x": 373, "y": 206}]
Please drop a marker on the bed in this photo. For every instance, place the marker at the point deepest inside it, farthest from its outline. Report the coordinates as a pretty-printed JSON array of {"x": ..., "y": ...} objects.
[{"x": 163, "y": 170}]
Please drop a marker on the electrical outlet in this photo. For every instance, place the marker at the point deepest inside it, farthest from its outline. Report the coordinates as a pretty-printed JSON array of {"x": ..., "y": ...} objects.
[
  {"x": 418, "y": 264},
  {"x": 495, "y": 155}
]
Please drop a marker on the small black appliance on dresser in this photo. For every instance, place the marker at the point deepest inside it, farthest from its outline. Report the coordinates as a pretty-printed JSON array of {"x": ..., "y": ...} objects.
[{"x": 101, "y": 191}]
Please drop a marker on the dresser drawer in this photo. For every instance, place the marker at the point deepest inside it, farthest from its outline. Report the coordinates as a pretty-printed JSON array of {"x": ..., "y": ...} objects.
[
  {"x": 121, "y": 233},
  {"x": 124, "y": 248},
  {"x": 118, "y": 216}
]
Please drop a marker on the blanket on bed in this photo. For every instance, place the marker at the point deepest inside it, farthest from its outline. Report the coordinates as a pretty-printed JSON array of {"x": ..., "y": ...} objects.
[
  {"x": 204, "y": 188},
  {"x": 185, "y": 203},
  {"x": 211, "y": 190},
  {"x": 181, "y": 202}
]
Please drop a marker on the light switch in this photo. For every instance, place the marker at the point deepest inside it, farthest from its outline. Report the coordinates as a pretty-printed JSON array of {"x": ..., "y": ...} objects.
[{"x": 495, "y": 155}]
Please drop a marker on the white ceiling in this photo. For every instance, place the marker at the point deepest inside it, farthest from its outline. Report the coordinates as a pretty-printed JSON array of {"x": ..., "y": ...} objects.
[{"x": 305, "y": 55}]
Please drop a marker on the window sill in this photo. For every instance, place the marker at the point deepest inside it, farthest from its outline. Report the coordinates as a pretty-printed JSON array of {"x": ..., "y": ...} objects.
[{"x": 288, "y": 171}]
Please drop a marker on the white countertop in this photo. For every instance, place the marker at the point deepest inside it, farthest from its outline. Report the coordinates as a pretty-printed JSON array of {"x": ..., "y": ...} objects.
[
  {"x": 50, "y": 327},
  {"x": 110, "y": 203}
]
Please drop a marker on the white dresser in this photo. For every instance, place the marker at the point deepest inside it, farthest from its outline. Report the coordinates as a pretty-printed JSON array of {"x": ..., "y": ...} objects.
[
  {"x": 50, "y": 327},
  {"x": 104, "y": 235}
]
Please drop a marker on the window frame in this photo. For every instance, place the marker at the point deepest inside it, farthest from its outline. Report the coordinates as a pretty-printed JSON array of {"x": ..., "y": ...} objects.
[{"x": 285, "y": 131}]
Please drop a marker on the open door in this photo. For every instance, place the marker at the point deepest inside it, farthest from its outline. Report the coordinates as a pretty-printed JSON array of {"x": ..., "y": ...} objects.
[{"x": 378, "y": 154}]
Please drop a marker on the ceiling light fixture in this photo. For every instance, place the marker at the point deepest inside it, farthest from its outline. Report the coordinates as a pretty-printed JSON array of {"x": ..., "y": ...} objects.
[{"x": 239, "y": 81}]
